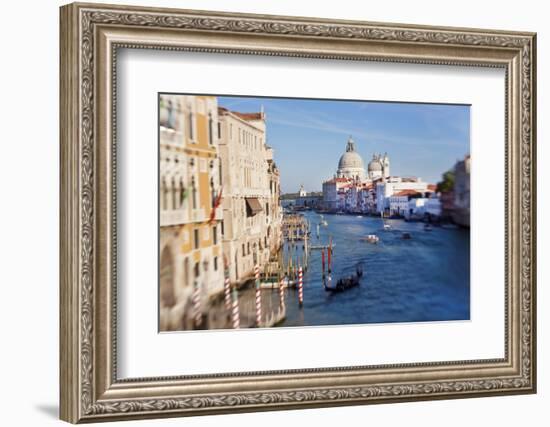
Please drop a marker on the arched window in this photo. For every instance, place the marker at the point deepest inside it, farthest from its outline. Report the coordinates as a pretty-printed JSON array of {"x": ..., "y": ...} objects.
[
  {"x": 210, "y": 129},
  {"x": 167, "y": 296},
  {"x": 171, "y": 120},
  {"x": 194, "y": 192},
  {"x": 163, "y": 194},
  {"x": 190, "y": 125},
  {"x": 175, "y": 196},
  {"x": 182, "y": 192},
  {"x": 213, "y": 192}
]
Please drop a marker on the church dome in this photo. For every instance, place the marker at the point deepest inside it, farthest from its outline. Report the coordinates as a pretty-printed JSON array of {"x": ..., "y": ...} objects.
[
  {"x": 375, "y": 166},
  {"x": 351, "y": 164},
  {"x": 350, "y": 159}
]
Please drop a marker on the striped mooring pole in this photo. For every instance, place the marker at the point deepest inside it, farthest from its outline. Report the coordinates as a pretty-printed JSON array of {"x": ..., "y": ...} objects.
[
  {"x": 197, "y": 314},
  {"x": 227, "y": 290},
  {"x": 236, "y": 318},
  {"x": 300, "y": 287},
  {"x": 282, "y": 292},
  {"x": 258, "y": 296},
  {"x": 323, "y": 261}
]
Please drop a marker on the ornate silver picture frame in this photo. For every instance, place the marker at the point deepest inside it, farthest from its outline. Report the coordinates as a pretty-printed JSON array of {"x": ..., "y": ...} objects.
[{"x": 91, "y": 37}]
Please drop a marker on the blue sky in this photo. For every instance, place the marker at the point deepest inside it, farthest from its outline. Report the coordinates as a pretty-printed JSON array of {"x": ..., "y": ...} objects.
[{"x": 309, "y": 136}]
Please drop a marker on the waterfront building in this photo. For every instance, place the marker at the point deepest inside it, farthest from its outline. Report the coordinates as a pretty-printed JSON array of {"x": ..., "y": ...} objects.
[
  {"x": 274, "y": 211},
  {"x": 190, "y": 239},
  {"x": 352, "y": 188},
  {"x": 251, "y": 185},
  {"x": 393, "y": 185},
  {"x": 399, "y": 204},
  {"x": 461, "y": 208},
  {"x": 311, "y": 200},
  {"x": 375, "y": 191},
  {"x": 366, "y": 198},
  {"x": 432, "y": 206},
  {"x": 331, "y": 190}
]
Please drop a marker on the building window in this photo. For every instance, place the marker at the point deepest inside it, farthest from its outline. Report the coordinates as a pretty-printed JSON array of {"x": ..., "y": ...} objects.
[
  {"x": 220, "y": 173},
  {"x": 213, "y": 193},
  {"x": 194, "y": 191},
  {"x": 182, "y": 193},
  {"x": 197, "y": 270},
  {"x": 215, "y": 235},
  {"x": 190, "y": 126},
  {"x": 175, "y": 201},
  {"x": 219, "y": 130},
  {"x": 244, "y": 253},
  {"x": 223, "y": 228},
  {"x": 196, "y": 240},
  {"x": 171, "y": 120},
  {"x": 248, "y": 248},
  {"x": 210, "y": 130},
  {"x": 164, "y": 198},
  {"x": 215, "y": 263}
]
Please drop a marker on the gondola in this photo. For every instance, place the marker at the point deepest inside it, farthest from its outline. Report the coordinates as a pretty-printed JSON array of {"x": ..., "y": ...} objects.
[{"x": 345, "y": 283}]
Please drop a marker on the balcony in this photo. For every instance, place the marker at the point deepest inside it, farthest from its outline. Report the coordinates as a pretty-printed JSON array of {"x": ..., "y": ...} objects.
[{"x": 176, "y": 217}]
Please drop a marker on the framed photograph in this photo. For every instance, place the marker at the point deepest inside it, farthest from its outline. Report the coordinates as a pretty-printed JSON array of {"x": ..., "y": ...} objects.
[{"x": 267, "y": 212}]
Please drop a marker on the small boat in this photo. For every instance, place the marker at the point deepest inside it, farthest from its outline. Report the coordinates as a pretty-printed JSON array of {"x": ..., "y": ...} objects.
[
  {"x": 406, "y": 236},
  {"x": 346, "y": 283},
  {"x": 287, "y": 283},
  {"x": 324, "y": 223},
  {"x": 371, "y": 238},
  {"x": 428, "y": 227},
  {"x": 387, "y": 227},
  {"x": 359, "y": 216}
]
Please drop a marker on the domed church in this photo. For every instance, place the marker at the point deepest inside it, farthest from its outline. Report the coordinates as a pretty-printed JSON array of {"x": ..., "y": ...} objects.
[
  {"x": 379, "y": 166},
  {"x": 351, "y": 164}
]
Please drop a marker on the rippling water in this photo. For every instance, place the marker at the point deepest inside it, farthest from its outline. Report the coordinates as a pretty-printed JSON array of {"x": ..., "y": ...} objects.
[{"x": 426, "y": 278}]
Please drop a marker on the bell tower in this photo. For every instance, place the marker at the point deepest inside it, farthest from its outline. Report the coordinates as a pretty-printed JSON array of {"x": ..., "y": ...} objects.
[{"x": 386, "y": 165}]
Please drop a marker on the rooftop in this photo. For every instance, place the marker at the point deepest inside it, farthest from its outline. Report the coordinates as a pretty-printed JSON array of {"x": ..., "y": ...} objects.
[
  {"x": 245, "y": 116},
  {"x": 407, "y": 193}
]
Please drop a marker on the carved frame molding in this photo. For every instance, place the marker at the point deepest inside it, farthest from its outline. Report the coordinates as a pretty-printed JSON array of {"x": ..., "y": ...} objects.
[{"x": 90, "y": 37}]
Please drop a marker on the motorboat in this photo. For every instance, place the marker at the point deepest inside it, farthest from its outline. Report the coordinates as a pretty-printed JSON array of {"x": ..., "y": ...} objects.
[
  {"x": 371, "y": 238},
  {"x": 406, "y": 236}
]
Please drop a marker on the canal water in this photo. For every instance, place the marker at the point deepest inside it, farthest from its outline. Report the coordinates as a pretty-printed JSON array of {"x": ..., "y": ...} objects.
[{"x": 425, "y": 278}]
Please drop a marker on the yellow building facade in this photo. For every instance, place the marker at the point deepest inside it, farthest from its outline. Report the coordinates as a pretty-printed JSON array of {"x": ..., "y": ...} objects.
[{"x": 190, "y": 252}]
